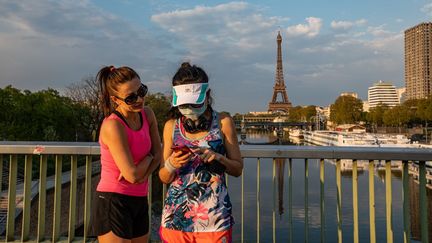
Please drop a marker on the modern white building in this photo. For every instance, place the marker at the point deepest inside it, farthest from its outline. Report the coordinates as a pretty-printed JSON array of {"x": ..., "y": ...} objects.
[{"x": 383, "y": 93}]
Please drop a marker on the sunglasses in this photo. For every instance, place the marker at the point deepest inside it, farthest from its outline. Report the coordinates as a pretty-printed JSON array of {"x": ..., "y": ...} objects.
[
  {"x": 132, "y": 98},
  {"x": 190, "y": 105}
]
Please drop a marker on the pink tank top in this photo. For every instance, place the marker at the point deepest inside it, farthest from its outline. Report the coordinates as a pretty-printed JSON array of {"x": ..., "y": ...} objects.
[{"x": 139, "y": 145}]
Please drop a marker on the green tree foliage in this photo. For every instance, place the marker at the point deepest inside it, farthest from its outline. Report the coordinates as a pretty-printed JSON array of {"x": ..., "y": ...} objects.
[
  {"x": 424, "y": 110},
  {"x": 397, "y": 116},
  {"x": 376, "y": 114},
  {"x": 346, "y": 109},
  {"x": 410, "y": 113},
  {"x": 86, "y": 93},
  {"x": 160, "y": 105},
  {"x": 308, "y": 112},
  {"x": 40, "y": 116},
  {"x": 302, "y": 114},
  {"x": 295, "y": 114}
]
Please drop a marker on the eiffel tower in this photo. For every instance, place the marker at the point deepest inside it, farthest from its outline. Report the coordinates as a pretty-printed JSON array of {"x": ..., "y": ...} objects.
[{"x": 279, "y": 88}]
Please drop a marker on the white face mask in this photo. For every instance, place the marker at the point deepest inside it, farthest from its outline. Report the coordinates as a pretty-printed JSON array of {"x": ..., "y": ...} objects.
[{"x": 193, "y": 113}]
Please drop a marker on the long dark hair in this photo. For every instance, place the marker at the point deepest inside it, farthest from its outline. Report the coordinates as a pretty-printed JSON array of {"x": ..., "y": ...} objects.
[
  {"x": 188, "y": 74},
  {"x": 109, "y": 78}
]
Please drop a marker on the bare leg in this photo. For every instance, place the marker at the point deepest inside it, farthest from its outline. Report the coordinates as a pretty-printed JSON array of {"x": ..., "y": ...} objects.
[
  {"x": 110, "y": 237},
  {"x": 141, "y": 239}
]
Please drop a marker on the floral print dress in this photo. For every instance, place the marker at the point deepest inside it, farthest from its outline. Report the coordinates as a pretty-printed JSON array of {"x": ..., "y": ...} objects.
[{"x": 197, "y": 199}]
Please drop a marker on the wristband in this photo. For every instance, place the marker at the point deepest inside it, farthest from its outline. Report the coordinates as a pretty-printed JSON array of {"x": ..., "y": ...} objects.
[{"x": 169, "y": 167}]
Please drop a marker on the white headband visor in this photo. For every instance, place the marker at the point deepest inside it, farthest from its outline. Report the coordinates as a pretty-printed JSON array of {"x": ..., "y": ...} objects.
[{"x": 189, "y": 94}]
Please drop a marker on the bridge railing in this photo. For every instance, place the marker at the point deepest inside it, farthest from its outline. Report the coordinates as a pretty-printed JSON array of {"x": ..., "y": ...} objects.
[{"x": 21, "y": 154}]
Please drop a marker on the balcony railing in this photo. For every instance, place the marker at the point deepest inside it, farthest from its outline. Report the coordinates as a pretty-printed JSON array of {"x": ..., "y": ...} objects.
[{"x": 22, "y": 155}]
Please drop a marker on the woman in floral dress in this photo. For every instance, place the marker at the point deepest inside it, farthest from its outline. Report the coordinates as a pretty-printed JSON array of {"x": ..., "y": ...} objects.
[{"x": 199, "y": 146}]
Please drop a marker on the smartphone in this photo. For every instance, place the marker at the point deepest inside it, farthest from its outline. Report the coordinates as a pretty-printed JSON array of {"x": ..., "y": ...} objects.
[{"x": 185, "y": 149}]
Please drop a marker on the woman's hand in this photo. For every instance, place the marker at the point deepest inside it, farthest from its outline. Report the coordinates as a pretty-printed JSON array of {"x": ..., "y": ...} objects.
[
  {"x": 207, "y": 155},
  {"x": 178, "y": 159}
]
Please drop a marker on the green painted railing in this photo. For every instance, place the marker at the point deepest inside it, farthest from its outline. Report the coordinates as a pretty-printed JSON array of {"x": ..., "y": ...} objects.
[{"x": 10, "y": 152}]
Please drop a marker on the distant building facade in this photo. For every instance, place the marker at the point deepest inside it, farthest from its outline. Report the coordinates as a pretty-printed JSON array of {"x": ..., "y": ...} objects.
[
  {"x": 383, "y": 93},
  {"x": 401, "y": 94},
  {"x": 418, "y": 61}
]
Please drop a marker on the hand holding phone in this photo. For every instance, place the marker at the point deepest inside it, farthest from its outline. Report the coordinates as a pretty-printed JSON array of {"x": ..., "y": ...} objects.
[
  {"x": 185, "y": 149},
  {"x": 180, "y": 156}
]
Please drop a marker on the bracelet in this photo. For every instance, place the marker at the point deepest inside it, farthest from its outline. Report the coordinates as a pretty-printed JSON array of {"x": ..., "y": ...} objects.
[{"x": 169, "y": 167}]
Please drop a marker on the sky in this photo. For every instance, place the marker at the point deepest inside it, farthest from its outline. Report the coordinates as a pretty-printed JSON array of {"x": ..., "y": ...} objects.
[{"x": 328, "y": 47}]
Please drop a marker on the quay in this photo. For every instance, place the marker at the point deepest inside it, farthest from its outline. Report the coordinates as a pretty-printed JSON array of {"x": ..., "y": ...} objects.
[{"x": 24, "y": 155}]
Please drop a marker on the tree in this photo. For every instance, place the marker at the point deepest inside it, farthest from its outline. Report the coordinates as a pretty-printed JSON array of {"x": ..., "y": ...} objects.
[
  {"x": 295, "y": 114},
  {"x": 40, "y": 116},
  {"x": 160, "y": 105},
  {"x": 87, "y": 94},
  {"x": 424, "y": 112},
  {"x": 301, "y": 114},
  {"x": 375, "y": 115},
  {"x": 308, "y": 112},
  {"x": 346, "y": 109},
  {"x": 397, "y": 116}
]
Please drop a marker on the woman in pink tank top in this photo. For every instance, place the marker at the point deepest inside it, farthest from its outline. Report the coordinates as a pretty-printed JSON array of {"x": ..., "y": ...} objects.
[{"x": 130, "y": 152}]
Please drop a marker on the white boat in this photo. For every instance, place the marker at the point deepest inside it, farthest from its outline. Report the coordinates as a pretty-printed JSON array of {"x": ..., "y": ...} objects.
[
  {"x": 356, "y": 139},
  {"x": 295, "y": 133},
  {"x": 335, "y": 138}
]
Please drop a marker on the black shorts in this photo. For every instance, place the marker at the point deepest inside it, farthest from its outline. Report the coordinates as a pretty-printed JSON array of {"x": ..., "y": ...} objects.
[{"x": 126, "y": 216}]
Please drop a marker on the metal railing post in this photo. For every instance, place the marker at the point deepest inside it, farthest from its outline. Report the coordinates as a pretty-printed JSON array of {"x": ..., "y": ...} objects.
[
  {"x": 274, "y": 201},
  {"x": 389, "y": 215},
  {"x": 306, "y": 202},
  {"x": 10, "y": 225},
  {"x": 242, "y": 206},
  {"x": 72, "y": 197},
  {"x": 42, "y": 197},
  {"x": 26, "y": 198},
  {"x": 322, "y": 200},
  {"x": 57, "y": 197},
  {"x": 423, "y": 203},
  {"x": 355, "y": 201},
  {"x": 372, "y": 233},
  {"x": 406, "y": 203},
  {"x": 290, "y": 221},
  {"x": 339, "y": 200},
  {"x": 258, "y": 200},
  {"x": 88, "y": 195}
]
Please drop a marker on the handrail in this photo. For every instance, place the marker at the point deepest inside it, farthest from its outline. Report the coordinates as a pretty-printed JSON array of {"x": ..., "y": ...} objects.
[
  {"x": 248, "y": 151},
  {"x": 304, "y": 153}
]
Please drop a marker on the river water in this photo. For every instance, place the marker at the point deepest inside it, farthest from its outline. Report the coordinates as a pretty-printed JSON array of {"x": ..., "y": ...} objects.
[{"x": 298, "y": 201}]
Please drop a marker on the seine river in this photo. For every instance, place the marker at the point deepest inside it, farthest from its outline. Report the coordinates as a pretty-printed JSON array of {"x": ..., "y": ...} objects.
[{"x": 298, "y": 211}]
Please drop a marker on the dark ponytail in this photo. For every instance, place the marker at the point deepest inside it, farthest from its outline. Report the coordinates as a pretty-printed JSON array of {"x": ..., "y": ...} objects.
[
  {"x": 188, "y": 74},
  {"x": 109, "y": 78}
]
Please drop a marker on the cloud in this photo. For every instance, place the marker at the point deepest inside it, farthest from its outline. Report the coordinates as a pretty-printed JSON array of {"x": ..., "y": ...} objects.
[
  {"x": 378, "y": 30},
  {"x": 54, "y": 43},
  {"x": 229, "y": 25},
  {"x": 345, "y": 25},
  {"x": 427, "y": 9},
  {"x": 311, "y": 29},
  {"x": 237, "y": 46},
  {"x": 201, "y": 11}
]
